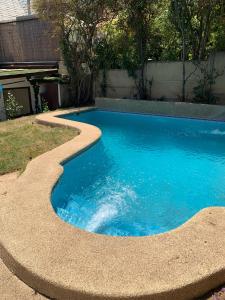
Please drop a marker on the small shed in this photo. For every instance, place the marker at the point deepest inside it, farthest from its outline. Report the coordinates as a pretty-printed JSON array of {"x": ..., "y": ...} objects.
[{"x": 19, "y": 82}]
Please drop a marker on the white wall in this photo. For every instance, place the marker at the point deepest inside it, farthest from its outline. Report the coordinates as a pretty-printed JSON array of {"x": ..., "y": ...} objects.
[{"x": 167, "y": 80}]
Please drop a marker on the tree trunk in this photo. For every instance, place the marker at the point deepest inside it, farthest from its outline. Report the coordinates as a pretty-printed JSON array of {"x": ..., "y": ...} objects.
[
  {"x": 142, "y": 86},
  {"x": 183, "y": 68}
]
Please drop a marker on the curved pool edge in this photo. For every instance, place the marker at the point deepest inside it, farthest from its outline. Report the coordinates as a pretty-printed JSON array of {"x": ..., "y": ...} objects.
[{"x": 40, "y": 248}]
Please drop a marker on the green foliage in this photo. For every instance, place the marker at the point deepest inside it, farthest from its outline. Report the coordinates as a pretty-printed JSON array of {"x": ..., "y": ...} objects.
[
  {"x": 131, "y": 38},
  {"x": 197, "y": 23},
  {"x": 125, "y": 33},
  {"x": 77, "y": 23},
  {"x": 128, "y": 38},
  {"x": 44, "y": 106},
  {"x": 159, "y": 24},
  {"x": 203, "y": 92},
  {"x": 12, "y": 108},
  {"x": 105, "y": 34}
]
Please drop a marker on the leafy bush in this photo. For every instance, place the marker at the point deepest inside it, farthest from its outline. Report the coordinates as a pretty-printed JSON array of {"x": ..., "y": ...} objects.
[
  {"x": 44, "y": 106},
  {"x": 12, "y": 108},
  {"x": 203, "y": 94}
]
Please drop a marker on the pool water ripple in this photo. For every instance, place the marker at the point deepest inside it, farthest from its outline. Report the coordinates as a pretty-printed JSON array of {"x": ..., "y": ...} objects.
[{"x": 147, "y": 174}]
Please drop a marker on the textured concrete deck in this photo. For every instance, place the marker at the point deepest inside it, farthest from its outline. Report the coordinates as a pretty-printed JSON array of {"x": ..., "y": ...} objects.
[
  {"x": 64, "y": 262},
  {"x": 11, "y": 288},
  {"x": 6, "y": 181}
]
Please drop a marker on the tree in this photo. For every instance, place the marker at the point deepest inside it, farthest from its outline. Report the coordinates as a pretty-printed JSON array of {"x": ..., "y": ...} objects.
[
  {"x": 194, "y": 23},
  {"x": 204, "y": 15},
  {"x": 137, "y": 18},
  {"x": 104, "y": 34},
  {"x": 129, "y": 40},
  {"x": 77, "y": 22},
  {"x": 180, "y": 17}
]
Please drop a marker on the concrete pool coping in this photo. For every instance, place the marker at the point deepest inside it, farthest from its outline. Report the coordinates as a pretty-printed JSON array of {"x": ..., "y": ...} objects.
[{"x": 64, "y": 262}]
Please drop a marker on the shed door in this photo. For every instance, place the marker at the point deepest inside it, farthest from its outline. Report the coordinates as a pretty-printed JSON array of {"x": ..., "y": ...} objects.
[{"x": 22, "y": 96}]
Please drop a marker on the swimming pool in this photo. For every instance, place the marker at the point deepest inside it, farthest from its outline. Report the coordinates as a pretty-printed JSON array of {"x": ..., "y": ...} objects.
[{"x": 147, "y": 174}]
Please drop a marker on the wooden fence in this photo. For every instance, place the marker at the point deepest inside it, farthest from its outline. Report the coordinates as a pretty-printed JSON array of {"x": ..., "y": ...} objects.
[{"x": 28, "y": 40}]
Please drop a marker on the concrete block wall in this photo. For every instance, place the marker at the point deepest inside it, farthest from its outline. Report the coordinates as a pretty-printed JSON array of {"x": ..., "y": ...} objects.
[{"x": 166, "y": 80}]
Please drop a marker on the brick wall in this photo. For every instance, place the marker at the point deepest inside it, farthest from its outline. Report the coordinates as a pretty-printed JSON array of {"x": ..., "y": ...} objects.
[{"x": 26, "y": 40}]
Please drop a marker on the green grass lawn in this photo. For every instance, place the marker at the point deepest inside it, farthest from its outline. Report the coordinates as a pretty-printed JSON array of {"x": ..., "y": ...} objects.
[{"x": 23, "y": 139}]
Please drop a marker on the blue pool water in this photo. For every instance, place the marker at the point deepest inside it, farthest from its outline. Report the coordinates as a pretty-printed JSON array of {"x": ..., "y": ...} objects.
[{"x": 147, "y": 174}]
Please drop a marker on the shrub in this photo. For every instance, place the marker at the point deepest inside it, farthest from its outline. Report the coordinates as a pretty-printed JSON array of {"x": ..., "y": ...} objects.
[
  {"x": 12, "y": 108},
  {"x": 44, "y": 106},
  {"x": 203, "y": 93}
]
